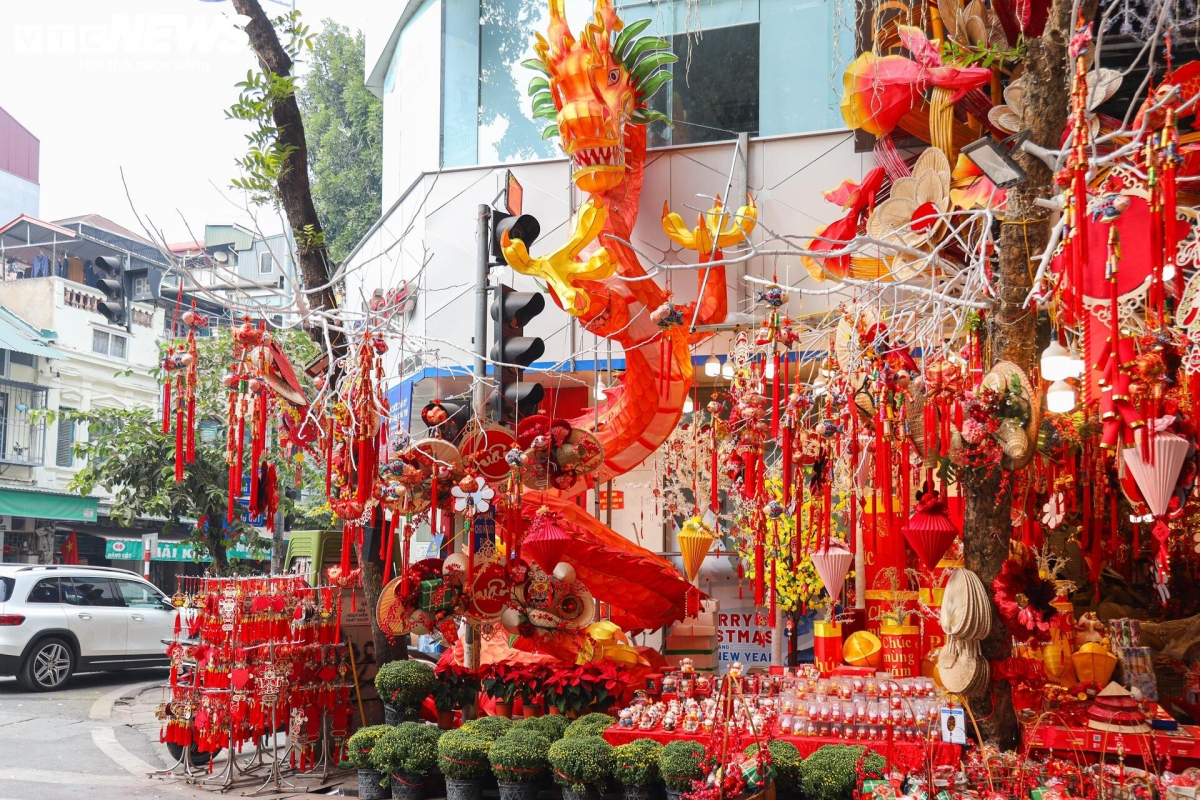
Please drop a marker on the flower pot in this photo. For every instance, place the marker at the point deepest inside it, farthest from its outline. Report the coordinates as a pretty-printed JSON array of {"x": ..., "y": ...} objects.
[
  {"x": 674, "y": 795},
  {"x": 445, "y": 720},
  {"x": 553, "y": 711},
  {"x": 464, "y": 790},
  {"x": 587, "y": 794},
  {"x": 394, "y": 715},
  {"x": 518, "y": 791},
  {"x": 531, "y": 710},
  {"x": 504, "y": 710},
  {"x": 640, "y": 793},
  {"x": 408, "y": 787},
  {"x": 368, "y": 785}
]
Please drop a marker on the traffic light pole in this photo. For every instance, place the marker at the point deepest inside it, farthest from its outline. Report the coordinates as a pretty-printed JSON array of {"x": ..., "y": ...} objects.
[{"x": 481, "y": 309}]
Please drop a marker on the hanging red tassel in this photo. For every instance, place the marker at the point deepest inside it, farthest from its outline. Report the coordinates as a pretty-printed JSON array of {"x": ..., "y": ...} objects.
[{"x": 775, "y": 395}]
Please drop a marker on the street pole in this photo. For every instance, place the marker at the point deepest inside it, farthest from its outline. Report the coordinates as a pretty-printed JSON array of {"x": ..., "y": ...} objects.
[{"x": 479, "y": 397}]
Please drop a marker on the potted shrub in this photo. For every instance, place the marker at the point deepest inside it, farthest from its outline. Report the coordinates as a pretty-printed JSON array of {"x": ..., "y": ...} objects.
[
  {"x": 635, "y": 766},
  {"x": 403, "y": 687},
  {"x": 531, "y": 684},
  {"x": 550, "y": 728},
  {"x": 582, "y": 765},
  {"x": 406, "y": 755},
  {"x": 786, "y": 760},
  {"x": 358, "y": 756},
  {"x": 680, "y": 763},
  {"x": 500, "y": 683},
  {"x": 463, "y": 759},
  {"x": 457, "y": 687},
  {"x": 832, "y": 772},
  {"x": 566, "y": 691},
  {"x": 519, "y": 762},
  {"x": 592, "y": 724},
  {"x": 490, "y": 727}
]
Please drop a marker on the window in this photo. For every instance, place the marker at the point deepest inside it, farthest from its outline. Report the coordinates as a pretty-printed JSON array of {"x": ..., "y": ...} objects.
[
  {"x": 208, "y": 431},
  {"x": 266, "y": 263},
  {"x": 139, "y": 595},
  {"x": 45, "y": 591},
  {"x": 21, "y": 359},
  {"x": 110, "y": 344},
  {"x": 6, "y": 588},
  {"x": 91, "y": 592},
  {"x": 63, "y": 456}
]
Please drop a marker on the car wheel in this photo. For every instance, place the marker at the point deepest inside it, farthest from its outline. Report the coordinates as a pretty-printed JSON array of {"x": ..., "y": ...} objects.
[
  {"x": 197, "y": 758},
  {"x": 48, "y": 666}
]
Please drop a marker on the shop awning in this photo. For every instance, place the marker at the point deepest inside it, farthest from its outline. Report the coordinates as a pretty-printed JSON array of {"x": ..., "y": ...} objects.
[
  {"x": 42, "y": 504},
  {"x": 20, "y": 336}
]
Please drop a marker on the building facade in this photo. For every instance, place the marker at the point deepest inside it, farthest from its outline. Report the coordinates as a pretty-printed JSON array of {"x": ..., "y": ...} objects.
[{"x": 20, "y": 154}]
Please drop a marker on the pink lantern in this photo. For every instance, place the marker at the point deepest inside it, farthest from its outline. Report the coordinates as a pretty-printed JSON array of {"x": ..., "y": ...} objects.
[
  {"x": 1157, "y": 475},
  {"x": 833, "y": 564},
  {"x": 930, "y": 530},
  {"x": 547, "y": 539}
]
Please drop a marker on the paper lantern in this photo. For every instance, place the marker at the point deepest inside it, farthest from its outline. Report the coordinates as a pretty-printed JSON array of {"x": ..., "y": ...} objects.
[
  {"x": 930, "y": 530},
  {"x": 833, "y": 564},
  {"x": 547, "y": 540},
  {"x": 1156, "y": 478},
  {"x": 695, "y": 540}
]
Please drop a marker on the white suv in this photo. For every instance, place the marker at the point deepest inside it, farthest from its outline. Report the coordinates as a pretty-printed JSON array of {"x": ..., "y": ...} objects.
[{"x": 58, "y": 620}]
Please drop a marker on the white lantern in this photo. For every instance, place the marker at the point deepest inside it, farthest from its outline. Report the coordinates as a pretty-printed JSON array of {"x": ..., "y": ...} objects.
[
  {"x": 1060, "y": 398},
  {"x": 727, "y": 370},
  {"x": 688, "y": 405}
]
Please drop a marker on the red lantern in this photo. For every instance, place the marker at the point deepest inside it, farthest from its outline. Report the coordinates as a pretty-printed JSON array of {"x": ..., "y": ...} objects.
[
  {"x": 930, "y": 530},
  {"x": 547, "y": 539}
]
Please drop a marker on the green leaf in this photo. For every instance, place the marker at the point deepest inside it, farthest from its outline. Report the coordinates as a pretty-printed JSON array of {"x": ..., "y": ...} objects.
[
  {"x": 652, "y": 84},
  {"x": 645, "y": 69},
  {"x": 628, "y": 35},
  {"x": 657, "y": 116},
  {"x": 549, "y": 132},
  {"x": 545, "y": 113},
  {"x": 643, "y": 47},
  {"x": 542, "y": 100},
  {"x": 536, "y": 64},
  {"x": 538, "y": 84}
]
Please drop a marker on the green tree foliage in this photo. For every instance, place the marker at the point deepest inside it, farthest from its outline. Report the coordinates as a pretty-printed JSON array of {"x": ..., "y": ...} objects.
[
  {"x": 127, "y": 453},
  {"x": 344, "y": 123}
]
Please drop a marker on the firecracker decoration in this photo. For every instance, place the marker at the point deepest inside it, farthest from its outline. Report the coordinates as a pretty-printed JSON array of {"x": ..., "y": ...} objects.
[{"x": 179, "y": 391}]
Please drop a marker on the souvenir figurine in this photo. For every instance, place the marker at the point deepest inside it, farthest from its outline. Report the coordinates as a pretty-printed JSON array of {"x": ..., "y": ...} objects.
[
  {"x": 626, "y": 718},
  {"x": 668, "y": 723}
]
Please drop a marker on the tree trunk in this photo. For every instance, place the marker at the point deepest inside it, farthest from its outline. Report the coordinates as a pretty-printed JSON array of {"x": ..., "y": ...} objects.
[
  {"x": 1012, "y": 329},
  {"x": 295, "y": 194}
]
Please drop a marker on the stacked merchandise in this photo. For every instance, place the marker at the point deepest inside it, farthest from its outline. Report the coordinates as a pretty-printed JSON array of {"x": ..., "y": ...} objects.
[
  {"x": 695, "y": 639},
  {"x": 1137, "y": 662},
  {"x": 252, "y": 655}
]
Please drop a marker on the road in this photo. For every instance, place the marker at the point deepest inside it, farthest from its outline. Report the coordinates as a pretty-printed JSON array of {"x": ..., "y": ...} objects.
[{"x": 97, "y": 739}]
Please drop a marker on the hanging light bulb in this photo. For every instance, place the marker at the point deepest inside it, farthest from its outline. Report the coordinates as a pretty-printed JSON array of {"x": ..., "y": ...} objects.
[
  {"x": 601, "y": 390},
  {"x": 688, "y": 405},
  {"x": 1060, "y": 398},
  {"x": 1056, "y": 362},
  {"x": 1077, "y": 365},
  {"x": 769, "y": 370},
  {"x": 712, "y": 366},
  {"x": 727, "y": 370},
  {"x": 1168, "y": 273}
]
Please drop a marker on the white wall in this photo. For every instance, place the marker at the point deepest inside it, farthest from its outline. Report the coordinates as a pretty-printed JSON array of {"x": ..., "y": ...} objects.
[{"x": 17, "y": 196}]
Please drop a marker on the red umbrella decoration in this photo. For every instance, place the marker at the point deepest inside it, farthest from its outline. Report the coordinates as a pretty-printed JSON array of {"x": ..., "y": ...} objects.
[
  {"x": 547, "y": 539},
  {"x": 930, "y": 530}
]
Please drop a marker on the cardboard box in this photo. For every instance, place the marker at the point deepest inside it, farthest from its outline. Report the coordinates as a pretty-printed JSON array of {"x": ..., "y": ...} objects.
[
  {"x": 692, "y": 630},
  {"x": 703, "y": 661},
  {"x": 686, "y": 645}
]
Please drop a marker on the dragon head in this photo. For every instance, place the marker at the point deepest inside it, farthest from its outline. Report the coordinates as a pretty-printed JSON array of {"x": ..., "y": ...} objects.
[{"x": 591, "y": 88}]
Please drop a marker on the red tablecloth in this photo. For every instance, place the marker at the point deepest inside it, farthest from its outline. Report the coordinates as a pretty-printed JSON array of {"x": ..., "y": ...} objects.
[{"x": 909, "y": 756}]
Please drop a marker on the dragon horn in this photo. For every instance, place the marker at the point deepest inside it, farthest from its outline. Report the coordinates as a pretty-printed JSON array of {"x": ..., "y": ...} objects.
[
  {"x": 559, "y": 32},
  {"x": 612, "y": 23}
]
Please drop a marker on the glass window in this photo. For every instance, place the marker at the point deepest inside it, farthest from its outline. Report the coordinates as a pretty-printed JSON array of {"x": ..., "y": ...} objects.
[
  {"x": 266, "y": 263},
  {"x": 138, "y": 595},
  {"x": 66, "y": 439},
  {"x": 100, "y": 342},
  {"x": 92, "y": 592},
  {"x": 44, "y": 591},
  {"x": 119, "y": 347},
  {"x": 6, "y": 588},
  {"x": 24, "y": 359}
]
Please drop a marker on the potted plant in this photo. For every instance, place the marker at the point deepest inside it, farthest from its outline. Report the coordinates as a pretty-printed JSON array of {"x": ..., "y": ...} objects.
[
  {"x": 607, "y": 683},
  {"x": 680, "y": 763},
  {"x": 566, "y": 691},
  {"x": 531, "y": 684},
  {"x": 519, "y": 762},
  {"x": 463, "y": 759},
  {"x": 785, "y": 760},
  {"x": 582, "y": 765},
  {"x": 489, "y": 727},
  {"x": 500, "y": 683},
  {"x": 832, "y": 772},
  {"x": 457, "y": 687},
  {"x": 550, "y": 727},
  {"x": 403, "y": 687},
  {"x": 635, "y": 766},
  {"x": 592, "y": 724},
  {"x": 406, "y": 755},
  {"x": 358, "y": 756}
]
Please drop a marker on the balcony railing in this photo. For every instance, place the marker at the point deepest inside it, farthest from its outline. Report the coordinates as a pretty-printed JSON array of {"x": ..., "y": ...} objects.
[
  {"x": 22, "y": 438},
  {"x": 87, "y": 300}
]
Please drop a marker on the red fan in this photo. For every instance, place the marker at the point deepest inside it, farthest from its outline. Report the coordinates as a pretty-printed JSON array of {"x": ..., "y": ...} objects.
[
  {"x": 547, "y": 539},
  {"x": 930, "y": 530}
]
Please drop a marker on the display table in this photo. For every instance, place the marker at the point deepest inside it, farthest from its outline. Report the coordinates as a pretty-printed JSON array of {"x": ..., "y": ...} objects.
[
  {"x": 911, "y": 756},
  {"x": 1064, "y": 734}
]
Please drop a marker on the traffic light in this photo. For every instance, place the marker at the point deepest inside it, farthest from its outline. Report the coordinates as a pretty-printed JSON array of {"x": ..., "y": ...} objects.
[
  {"x": 113, "y": 287},
  {"x": 513, "y": 351},
  {"x": 517, "y": 226}
]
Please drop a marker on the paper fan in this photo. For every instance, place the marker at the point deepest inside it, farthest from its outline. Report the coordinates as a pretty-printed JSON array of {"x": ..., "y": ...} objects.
[
  {"x": 833, "y": 564},
  {"x": 695, "y": 540},
  {"x": 1156, "y": 478},
  {"x": 930, "y": 530}
]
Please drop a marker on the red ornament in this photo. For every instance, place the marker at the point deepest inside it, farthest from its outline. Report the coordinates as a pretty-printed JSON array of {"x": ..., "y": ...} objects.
[
  {"x": 930, "y": 530},
  {"x": 547, "y": 539}
]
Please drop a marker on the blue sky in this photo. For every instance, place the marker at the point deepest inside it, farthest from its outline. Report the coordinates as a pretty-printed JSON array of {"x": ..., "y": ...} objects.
[{"x": 139, "y": 85}]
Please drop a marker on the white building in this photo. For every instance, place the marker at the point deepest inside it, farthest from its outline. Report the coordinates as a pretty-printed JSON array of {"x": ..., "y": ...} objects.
[{"x": 20, "y": 155}]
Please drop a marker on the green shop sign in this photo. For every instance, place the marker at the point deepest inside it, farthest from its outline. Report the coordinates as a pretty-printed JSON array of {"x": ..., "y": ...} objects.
[{"x": 131, "y": 550}]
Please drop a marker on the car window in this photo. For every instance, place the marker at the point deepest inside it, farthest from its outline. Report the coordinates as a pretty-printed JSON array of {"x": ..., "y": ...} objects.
[
  {"x": 6, "y": 588},
  {"x": 45, "y": 591},
  {"x": 92, "y": 592},
  {"x": 139, "y": 595}
]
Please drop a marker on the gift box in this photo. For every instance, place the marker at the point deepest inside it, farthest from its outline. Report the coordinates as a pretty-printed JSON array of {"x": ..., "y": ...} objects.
[
  {"x": 434, "y": 596},
  {"x": 1126, "y": 632},
  {"x": 879, "y": 790},
  {"x": 827, "y": 646}
]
